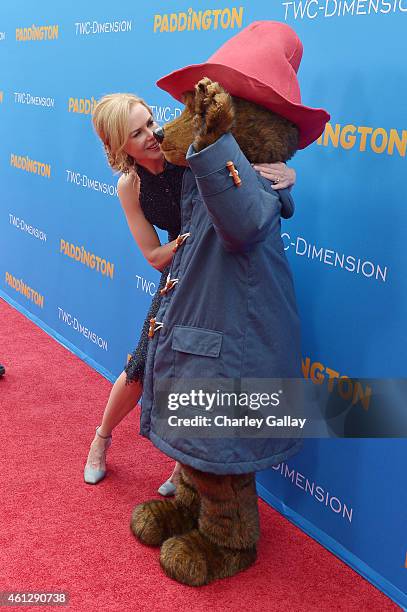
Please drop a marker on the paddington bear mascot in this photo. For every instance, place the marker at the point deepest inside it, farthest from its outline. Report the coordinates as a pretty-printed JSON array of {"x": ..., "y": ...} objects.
[{"x": 229, "y": 309}]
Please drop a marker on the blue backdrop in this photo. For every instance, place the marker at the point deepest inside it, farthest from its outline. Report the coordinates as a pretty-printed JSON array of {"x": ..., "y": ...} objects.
[{"x": 69, "y": 262}]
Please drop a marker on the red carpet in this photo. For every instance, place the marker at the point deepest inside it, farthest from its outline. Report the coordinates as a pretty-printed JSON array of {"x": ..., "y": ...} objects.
[{"x": 60, "y": 534}]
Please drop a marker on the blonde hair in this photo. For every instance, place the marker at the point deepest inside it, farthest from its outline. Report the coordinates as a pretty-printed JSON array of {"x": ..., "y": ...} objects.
[{"x": 110, "y": 120}]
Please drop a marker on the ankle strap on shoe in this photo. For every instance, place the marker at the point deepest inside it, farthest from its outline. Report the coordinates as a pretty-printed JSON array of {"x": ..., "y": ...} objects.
[{"x": 100, "y": 436}]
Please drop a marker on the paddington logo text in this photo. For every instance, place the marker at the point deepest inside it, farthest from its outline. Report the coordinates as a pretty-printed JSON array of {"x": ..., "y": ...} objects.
[
  {"x": 312, "y": 9},
  {"x": 80, "y": 254},
  {"x": 21, "y": 287},
  {"x": 47, "y": 32},
  {"x": 365, "y": 138},
  {"x": 347, "y": 388},
  {"x": 227, "y": 18},
  {"x": 82, "y": 106},
  {"x": 87, "y": 28},
  {"x": 30, "y": 165}
]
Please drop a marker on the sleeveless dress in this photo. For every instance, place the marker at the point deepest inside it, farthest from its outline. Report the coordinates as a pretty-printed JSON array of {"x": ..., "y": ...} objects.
[{"x": 160, "y": 197}]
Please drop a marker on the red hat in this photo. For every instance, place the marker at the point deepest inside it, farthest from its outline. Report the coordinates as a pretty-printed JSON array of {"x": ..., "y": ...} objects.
[{"x": 259, "y": 64}]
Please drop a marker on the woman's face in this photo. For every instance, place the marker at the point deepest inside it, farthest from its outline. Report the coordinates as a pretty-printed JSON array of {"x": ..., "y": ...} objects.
[{"x": 141, "y": 144}]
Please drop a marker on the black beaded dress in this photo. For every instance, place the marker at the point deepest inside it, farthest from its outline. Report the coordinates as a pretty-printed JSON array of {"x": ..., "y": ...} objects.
[{"x": 160, "y": 197}]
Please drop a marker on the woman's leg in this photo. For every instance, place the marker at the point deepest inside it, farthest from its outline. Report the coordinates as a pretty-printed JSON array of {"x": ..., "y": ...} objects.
[
  {"x": 122, "y": 399},
  {"x": 169, "y": 487},
  {"x": 176, "y": 473}
]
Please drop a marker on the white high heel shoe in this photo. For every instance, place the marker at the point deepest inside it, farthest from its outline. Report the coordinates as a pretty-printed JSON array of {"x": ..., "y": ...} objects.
[
  {"x": 167, "y": 489},
  {"x": 90, "y": 474}
]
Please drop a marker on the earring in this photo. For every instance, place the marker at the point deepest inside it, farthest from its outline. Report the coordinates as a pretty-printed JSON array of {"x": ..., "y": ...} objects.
[{"x": 130, "y": 163}]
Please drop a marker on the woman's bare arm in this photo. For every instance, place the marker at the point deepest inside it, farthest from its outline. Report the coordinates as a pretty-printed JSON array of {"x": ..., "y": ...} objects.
[{"x": 145, "y": 235}]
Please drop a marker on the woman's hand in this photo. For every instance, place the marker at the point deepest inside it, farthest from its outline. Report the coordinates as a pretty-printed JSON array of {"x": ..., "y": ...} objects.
[{"x": 279, "y": 174}]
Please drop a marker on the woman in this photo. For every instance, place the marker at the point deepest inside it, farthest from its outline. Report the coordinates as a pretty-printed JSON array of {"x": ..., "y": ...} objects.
[{"x": 149, "y": 191}]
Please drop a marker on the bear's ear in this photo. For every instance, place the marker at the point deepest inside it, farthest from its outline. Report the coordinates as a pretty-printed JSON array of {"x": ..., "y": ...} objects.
[{"x": 189, "y": 100}]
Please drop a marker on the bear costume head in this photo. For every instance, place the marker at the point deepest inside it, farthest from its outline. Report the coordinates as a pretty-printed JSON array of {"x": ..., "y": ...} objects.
[{"x": 257, "y": 67}]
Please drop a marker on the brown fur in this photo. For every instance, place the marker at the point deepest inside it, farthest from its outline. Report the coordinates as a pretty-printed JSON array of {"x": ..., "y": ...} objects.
[
  {"x": 229, "y": 511},
  {"x": 155, "y": 521},
  {"x": 262, "y": 135},
  {"x": 194, "y": 560},
  {"x": 228, "y": 530},
  {"x": 214, "y": 113},
  {"x": 210, "y": 112},
  {"x": 208, "y": 532}
]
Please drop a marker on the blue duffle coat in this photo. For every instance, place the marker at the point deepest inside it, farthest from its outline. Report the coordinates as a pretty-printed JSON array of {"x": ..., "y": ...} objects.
[{"x": 233, "y": 311}]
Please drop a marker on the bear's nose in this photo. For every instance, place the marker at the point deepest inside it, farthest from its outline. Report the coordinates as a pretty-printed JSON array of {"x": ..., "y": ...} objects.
[{"x": 159, "y": 134}]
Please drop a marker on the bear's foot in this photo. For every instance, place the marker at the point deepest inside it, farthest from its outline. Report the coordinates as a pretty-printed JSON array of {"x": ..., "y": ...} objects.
[
  {"x": 194, "y": 560},
  {"x": 155, "y": 521}
]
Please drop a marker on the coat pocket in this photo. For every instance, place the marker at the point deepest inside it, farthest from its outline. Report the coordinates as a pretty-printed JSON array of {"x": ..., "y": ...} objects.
[{"x": 197, "y": 352}]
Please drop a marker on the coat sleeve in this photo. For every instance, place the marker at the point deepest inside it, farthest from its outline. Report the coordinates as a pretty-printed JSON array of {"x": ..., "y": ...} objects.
[{"x": 241, "y": 215}]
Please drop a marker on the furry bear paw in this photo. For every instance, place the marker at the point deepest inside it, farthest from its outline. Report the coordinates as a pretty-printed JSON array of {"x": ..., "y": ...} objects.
[
  {"x": 155, "y": 521},
  {"x": 194, "y": 560},
  {"x": 214, "y": 113}
]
